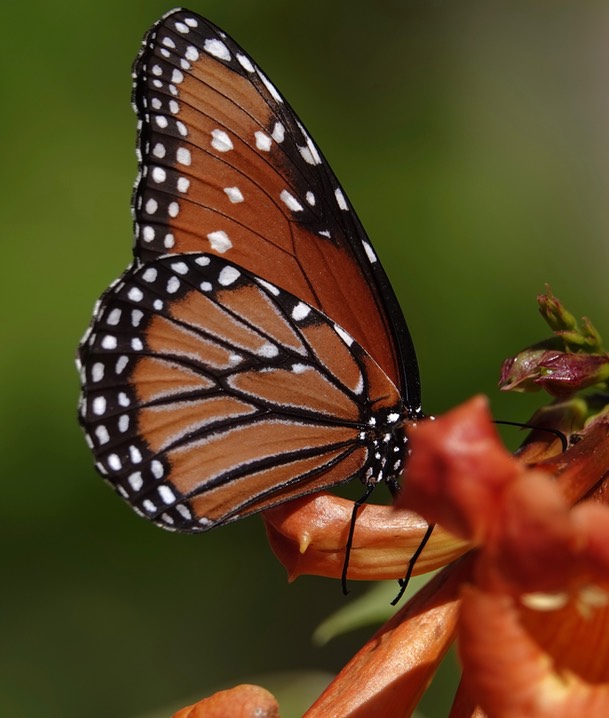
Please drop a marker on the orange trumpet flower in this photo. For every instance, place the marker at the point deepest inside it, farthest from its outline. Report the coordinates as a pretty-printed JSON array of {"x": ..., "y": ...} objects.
[{"x": 525, "y": 544}]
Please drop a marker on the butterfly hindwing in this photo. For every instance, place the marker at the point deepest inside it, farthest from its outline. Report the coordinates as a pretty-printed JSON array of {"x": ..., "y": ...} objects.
[{"x": 210, "y": 393}]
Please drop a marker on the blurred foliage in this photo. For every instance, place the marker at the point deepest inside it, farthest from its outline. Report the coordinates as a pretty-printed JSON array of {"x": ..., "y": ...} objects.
[
  {"x": 372, "y": 608},
  {"x": 471, "y": 136}
]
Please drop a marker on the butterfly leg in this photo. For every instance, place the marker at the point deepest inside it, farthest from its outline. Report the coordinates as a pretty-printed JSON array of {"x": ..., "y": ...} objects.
[
  {"x": 403, "y": 582},
  {"x": 356, "y": 506}
]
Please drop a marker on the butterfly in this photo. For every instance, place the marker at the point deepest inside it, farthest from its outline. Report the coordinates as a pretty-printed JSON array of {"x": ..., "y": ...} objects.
[{"x": 254, "y": 351}]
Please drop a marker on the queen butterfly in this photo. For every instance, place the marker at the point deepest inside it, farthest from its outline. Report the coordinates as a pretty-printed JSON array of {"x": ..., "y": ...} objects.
[{"x": 254, "y": 351}]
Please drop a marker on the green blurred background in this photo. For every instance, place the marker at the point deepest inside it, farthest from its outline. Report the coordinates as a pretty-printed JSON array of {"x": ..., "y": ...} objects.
[{"x": 472, "y": 137}]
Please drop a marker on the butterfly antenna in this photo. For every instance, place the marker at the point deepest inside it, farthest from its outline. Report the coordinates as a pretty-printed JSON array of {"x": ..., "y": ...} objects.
[
  {"x": 356, "y": 506},
  {"x": 403, "y": 582},
  {"x": 559, "y": 434}
]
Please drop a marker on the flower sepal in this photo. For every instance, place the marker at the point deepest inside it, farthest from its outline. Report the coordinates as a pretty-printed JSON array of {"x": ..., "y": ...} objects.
[{"x": 572, "y": 360}]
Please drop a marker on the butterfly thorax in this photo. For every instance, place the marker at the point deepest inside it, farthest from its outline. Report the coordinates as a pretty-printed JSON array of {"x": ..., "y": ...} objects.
[{"x": 386, "y": 442}]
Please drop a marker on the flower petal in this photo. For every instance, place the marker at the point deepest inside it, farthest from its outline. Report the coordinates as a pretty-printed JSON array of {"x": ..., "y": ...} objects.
[
  {"x": 308, "y": 536},
  {"x": 390, "y": 673},
  {"x": 585, "y": 466},
  {"x": 458, "y": 470},
  {"x": 511, "y": 674},
  {"x": 244, "y": 701}
]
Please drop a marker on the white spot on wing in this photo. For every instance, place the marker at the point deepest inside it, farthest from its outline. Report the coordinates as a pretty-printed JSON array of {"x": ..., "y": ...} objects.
[
  {"x": 159, "y": 175},
  {"x": 183, "y": 156},
  {"x": 102, "y": 434},
  {"x": 300, "y": 311},
  {"x": 315, "y": 157},
  {"x": 97, "y": 371},
  {"x": 99, "y": 405},
  {"x": 360, "y": 385},
  {"x": 278, "y": 133},
  {"x": 245, "y": 62},
  {"x": 217, "y": 49},
  {"x": 121, "y": 363},
  {"x": 173, "y": 285},
  {"x": 306, "y": 155},
  {"x": 234, "y": 194},
  {"x": 184, "y": 512},
  {"x": 114, "y": 317},
  {"x": 135, "y": 480},
  {"x": 267, "y": 285},
  {"x": 219, "y": 241},
  {"x": 340, "y": 199},
  {"x": 228, "y": 276},
  {"x": 263, "y": 141},
  {"x": 269, "y": 86},
  {"x": 345, "y": 336},
  {"x": 180, "y": 267},
  {"x": 369, "y": 252},
  {"x": 191, "y": 54},
  {"x": 221, "y": 141},
  {"x": 166, "y": 494},
  {"x": 268, "y": 351},
  {"x": 150, "y": 274},
  {"x": 290, "y": 201},
  {"x": 114, "y": 462},
  {"x": 151, "y": 205}
]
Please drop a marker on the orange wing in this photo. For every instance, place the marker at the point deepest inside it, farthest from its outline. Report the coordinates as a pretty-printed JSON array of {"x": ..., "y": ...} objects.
[
  {"x": 209, "y": 393},
  {"x": 227, "y": 168}
]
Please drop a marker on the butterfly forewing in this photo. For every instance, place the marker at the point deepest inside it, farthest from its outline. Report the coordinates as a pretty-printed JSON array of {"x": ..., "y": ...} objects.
[
  {"x": 226, "y": 167},
  {"x": 210, "y": 393}
]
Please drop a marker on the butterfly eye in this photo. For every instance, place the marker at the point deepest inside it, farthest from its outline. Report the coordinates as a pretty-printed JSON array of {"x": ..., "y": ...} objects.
[{"x": 254, "y": 351}]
